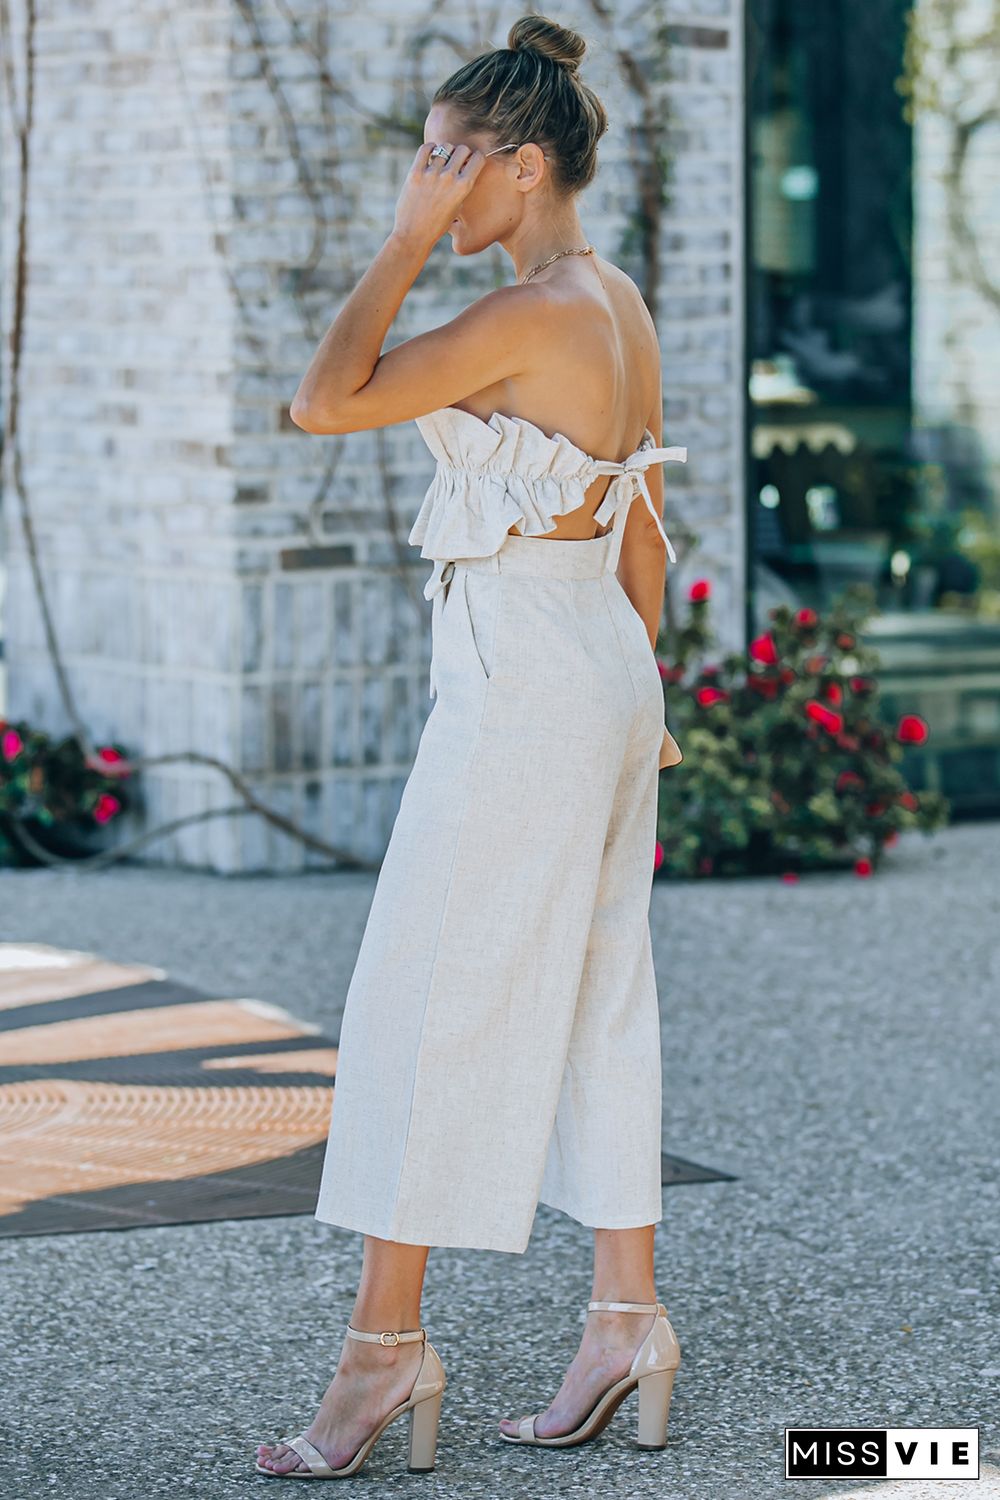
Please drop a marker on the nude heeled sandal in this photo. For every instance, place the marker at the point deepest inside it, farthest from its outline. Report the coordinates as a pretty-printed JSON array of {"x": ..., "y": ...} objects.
[
  {"x": 423, "y": 1405},
  {"x": 652, "y": 1371}
]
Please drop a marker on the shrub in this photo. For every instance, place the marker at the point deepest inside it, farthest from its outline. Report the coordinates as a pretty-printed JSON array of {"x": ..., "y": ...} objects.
[
  {"x": 48, "y": 787},
  {"x": 787, "y": 763}
]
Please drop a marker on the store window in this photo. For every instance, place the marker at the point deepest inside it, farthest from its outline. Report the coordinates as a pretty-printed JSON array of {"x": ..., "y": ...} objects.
[{"x": 845, "y": 485}]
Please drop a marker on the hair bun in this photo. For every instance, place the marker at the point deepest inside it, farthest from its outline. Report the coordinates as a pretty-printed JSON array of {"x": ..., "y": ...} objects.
[{"x": 539, "y": 34}]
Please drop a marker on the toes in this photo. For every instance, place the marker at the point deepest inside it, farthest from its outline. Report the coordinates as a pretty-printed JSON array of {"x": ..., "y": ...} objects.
[
  {"x": 288, "y": 1459},
  {"x": 279, "y": 1457}
]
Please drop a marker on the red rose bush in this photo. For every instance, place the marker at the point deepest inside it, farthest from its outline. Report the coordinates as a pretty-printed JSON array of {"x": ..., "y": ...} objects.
[{"x": 788, "y": 763}]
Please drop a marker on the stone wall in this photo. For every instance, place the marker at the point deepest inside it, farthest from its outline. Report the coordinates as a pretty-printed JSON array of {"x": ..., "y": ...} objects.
[
  {"x": 209, "y": 183},
  {"x": 956, "y": 270},
  {"x": 126, "y": 420}
]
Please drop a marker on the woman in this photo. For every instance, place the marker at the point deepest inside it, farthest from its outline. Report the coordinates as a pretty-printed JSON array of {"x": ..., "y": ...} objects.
[{"x": 500, "y": 1042}]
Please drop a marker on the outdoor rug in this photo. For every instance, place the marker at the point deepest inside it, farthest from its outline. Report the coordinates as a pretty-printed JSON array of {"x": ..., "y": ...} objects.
[{"x": 127, "y": 1099}]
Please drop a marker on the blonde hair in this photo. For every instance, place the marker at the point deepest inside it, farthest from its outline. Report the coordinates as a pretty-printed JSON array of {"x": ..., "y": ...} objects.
[{"x": 530, "y": 91}]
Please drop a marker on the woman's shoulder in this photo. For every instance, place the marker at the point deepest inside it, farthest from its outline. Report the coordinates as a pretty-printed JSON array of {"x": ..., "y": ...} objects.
[
  {"x": 555, "y": 301},
  {"x": 616, "y": 295},
  {"x": 631, "y": 299}
]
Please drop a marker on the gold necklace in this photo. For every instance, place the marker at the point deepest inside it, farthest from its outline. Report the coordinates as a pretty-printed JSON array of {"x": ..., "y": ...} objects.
[{"x": 542, "y": 264}]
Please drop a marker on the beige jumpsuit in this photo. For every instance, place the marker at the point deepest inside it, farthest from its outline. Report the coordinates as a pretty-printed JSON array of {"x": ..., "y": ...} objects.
[{"x": 500, "y": 1044}]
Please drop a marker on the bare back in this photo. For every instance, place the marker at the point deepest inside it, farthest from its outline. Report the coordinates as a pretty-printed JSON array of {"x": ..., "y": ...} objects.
[{"x": 595, "y": 375}]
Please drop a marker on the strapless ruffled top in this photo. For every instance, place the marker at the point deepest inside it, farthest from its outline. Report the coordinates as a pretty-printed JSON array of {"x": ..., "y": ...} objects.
[{"x": 508, "y": 472}]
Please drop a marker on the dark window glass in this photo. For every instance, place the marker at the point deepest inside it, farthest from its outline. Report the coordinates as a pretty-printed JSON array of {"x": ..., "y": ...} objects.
[{"x": 845, "y": 485}]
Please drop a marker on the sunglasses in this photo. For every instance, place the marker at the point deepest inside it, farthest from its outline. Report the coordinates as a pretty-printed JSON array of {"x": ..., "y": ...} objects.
[{"x": 514, "y": 144}]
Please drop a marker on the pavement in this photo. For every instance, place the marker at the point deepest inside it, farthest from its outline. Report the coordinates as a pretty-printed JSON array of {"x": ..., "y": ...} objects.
[{"x": 833, "y": 1043}]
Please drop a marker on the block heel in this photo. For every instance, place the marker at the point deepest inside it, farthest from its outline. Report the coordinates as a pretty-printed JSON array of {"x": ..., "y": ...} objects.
[
  {"x": 654, "y": 1407},
  {"x": 424, "y": 1419}
]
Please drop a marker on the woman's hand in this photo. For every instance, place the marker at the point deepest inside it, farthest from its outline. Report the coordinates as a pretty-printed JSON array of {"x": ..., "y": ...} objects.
[{"x": 434, "y": 190}]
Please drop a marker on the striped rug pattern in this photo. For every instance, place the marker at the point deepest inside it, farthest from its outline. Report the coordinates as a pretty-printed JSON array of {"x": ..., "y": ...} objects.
[{"x": 128, "y": 1099}]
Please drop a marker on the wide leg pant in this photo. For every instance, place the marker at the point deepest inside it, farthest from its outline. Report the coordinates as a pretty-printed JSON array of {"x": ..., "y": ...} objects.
[{"x": 500, "y": 1043}]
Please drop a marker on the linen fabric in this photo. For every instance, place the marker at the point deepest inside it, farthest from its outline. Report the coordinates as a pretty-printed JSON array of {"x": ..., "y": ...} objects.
[{"x": 500, "y": 1044}]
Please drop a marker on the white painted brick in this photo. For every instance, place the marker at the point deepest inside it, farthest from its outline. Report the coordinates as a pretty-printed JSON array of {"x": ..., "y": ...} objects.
[{"x": 165, "y": 478}]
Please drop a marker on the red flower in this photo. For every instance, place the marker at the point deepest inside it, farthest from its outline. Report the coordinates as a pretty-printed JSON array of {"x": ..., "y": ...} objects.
[
  {"x": 845, "y": 641},
  {"x": 892, "y": 837},
  {"x": 669, "y": 674},
  {"x": 862, "y": 867},
  {"x": 834, "y": 693},
  {"x": 789, "y": 877},
  {"x": 861, "y": 686},
  {"x": 105, "y": 807},
  {"x": 912, "y": 730},
  {"x": 848, "y": 779},
  {"x": 764, "y": 650},
  {"x": 699, "y": 591},
  {"x": 657, "y": 855},
  {"x": 875, "y": 809},
  {"x": 766, "y": 686},
  {"x": 709, "y": 696},
  {"x": 848, "y": 742},
  {"x": 909, "y": 801},
  {"x": 11, "y": 744},
  {"x": 109, "y": 753},
  {"x": 825, "y": 717},
  {"x": 815, "y": 665},
  {"x": 787, "y": 675},
  {"x": 806, "y": 619}
]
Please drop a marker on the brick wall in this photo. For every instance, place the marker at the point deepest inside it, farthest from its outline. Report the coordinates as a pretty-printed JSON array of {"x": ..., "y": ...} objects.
[
  {"x": 127, "y": 395},
  {"x": 209, "y": 183},
  {"x": 956, "y": 316}
]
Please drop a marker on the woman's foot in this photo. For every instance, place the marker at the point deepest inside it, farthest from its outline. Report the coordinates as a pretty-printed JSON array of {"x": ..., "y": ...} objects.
[
  {"x": 371, "y": 1379},
  {"x": 610, "y": 1342}
]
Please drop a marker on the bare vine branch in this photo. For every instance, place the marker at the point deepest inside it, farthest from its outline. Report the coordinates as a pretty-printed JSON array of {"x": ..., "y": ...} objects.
[{"x": 649, "y": 173}]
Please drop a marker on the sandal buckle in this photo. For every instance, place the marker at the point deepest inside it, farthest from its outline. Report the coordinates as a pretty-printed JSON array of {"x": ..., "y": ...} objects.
[{"x": 388, "y": 1339}]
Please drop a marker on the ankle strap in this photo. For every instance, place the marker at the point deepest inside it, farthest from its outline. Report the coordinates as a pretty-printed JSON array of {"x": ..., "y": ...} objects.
[
  {"x": 389, "y": 1338},
  {"x": 644, "y": 1307}
]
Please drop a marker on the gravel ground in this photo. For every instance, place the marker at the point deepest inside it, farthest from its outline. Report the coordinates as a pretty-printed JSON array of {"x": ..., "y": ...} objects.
[{"x": 831, "y": 1043}]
